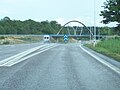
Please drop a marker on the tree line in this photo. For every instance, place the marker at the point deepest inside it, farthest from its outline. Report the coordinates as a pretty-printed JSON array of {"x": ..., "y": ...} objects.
[{"x": 8, "y": 26}]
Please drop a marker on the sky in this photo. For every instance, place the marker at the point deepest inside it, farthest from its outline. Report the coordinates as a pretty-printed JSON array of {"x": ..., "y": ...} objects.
[{"x": 60, "y": 10}]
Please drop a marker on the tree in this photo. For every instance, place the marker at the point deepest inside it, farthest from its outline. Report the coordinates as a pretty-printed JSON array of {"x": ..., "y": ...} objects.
[
  {"x": 54, "y": 26},
  {"x": 2, "y": 30},
  {"x": 8, "y": 26},
  {"x": 111, "y": 13},
  {"x": 106, "y": 31}
]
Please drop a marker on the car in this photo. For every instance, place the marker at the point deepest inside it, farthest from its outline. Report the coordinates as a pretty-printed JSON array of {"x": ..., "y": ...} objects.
[{"x": 46, "y": 38}]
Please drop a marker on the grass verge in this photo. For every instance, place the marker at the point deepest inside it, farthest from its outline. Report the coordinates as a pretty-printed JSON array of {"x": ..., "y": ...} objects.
[{"x": 109, "y": 48}]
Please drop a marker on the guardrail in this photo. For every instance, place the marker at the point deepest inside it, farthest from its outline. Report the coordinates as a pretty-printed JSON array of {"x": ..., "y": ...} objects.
[{"x": 60, "y": 35}]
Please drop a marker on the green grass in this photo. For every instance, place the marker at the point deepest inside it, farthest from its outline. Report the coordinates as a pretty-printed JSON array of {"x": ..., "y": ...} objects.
[{"x": 109, "y": 47}]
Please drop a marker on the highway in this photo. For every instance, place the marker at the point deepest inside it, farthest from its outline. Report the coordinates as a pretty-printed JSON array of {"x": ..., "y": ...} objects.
[
  {"x": 56, "y": 67},
  {"x": 9, "y": 50}
]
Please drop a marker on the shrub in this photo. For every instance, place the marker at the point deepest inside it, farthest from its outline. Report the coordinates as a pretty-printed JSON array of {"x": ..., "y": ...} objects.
[
  {"x": 6, "y": 42},
  {"x": 2, "y": 37}
]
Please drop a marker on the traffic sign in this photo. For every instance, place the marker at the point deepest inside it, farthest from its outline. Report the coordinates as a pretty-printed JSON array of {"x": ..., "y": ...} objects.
[{"x": 65, "y": 37}]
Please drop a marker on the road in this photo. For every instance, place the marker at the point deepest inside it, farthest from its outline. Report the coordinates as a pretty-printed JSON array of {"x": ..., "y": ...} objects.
[
  {"x": 63, "y": 67},
  {"x": 9, "y": 50}
]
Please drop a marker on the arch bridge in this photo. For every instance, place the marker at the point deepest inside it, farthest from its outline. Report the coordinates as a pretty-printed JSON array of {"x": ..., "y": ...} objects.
[{"x": 88, "y": 35}]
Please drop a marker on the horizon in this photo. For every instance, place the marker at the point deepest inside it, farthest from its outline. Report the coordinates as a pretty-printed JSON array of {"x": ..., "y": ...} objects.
[{"x": 70, "y": 24}]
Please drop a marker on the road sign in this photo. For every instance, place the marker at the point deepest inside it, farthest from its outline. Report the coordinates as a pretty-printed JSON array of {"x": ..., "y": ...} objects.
[{"x": 65, "y": 37}]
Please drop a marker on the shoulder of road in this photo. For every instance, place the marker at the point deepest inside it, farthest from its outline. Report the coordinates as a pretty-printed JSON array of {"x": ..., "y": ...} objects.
[{"x": 107, "y": 61}]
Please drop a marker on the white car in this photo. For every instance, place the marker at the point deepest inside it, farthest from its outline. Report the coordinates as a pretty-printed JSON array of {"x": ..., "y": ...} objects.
[{"x": 46, "y": 38}]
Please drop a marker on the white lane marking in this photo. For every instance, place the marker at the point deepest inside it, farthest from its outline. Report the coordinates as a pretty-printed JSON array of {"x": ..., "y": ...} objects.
[
  {"x": 15, "y": 61},
  {"x": 20, "y": 54},
  {"x": 29, "y": 56},
  {"x": 116, "y": 69}
]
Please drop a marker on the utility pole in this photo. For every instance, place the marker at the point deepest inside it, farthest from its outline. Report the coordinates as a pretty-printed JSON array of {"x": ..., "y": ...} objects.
[{"x": 94, "y": 23}]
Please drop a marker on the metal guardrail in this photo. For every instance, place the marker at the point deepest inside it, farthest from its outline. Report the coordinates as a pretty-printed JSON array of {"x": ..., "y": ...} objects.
[
  {"x": 41, "y": 35},
  {"x": 19, "y": 35},
  {"x": 60, "y": 35}
]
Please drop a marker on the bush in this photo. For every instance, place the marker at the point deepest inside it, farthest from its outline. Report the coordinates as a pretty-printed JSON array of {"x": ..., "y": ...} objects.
[
  {"x": 2, "y": 37},
  {"x": 6, "y": 42}
]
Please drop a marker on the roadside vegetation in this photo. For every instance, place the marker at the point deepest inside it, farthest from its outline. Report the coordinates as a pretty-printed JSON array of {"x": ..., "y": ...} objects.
[
  {"x": 5, "y": 40},
  {"x": 110, "y": 47},
  {"x": 17, "y": 27}
]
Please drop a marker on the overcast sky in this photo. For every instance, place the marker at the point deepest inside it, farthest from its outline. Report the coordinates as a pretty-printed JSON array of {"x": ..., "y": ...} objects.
[{"x": 60, "y": 10}]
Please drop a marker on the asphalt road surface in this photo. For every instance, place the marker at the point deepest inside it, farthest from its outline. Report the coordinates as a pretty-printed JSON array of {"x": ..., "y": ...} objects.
[
  {"x": 64, "y": 67},
  {"x": 9, "y": 50}
]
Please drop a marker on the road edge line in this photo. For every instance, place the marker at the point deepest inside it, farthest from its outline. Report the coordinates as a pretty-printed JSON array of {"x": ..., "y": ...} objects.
[{"x": 111, "y": 66}]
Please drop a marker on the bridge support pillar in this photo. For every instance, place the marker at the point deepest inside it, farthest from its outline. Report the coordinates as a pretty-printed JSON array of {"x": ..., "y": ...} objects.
[{"x": 75, "y": 32}]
